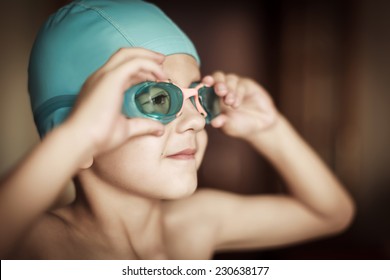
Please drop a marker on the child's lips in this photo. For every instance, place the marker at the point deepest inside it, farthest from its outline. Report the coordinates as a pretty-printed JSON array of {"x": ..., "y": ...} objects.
[{"x": 186, "y": 154}]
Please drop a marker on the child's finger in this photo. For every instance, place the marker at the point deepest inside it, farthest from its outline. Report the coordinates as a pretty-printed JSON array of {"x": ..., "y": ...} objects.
[
  {"x": 143, "y": 76},
  {"x": 219, "y": 121},
  {"x": 240, "y": 92},
  {"x": 220, "y": 86},
  {"x": 219, "y": 77},
  {"x": 129, "y": 69},
  {"x": 208, "y": 80},
  {"x": 231, "y": 81},
  {"x": 126, "y": 74},
  {"x": 231, "y": 84}
]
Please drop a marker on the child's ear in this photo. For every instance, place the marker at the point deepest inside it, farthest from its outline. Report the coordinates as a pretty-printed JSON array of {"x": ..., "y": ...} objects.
[{"x": 87, "y": 164}]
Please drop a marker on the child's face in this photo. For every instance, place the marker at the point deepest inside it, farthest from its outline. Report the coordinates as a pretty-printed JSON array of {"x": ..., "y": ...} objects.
[{"x": 162, "y": 167}]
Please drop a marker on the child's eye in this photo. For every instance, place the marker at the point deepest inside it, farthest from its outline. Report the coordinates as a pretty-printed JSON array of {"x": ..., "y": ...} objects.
[
  {"x": 154, "y": 102},
  {"x": 160, "y": 99}
]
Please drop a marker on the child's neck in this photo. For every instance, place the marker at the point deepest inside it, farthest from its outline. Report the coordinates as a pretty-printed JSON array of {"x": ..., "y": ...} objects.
[{"x": 127, "y": 219}]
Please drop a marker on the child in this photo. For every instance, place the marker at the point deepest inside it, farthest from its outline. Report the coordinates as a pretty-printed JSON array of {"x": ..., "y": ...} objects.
[{"x": 136, "y": 177}]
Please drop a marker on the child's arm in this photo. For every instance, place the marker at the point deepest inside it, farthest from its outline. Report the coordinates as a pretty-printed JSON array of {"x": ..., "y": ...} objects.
[
  {"x": 32, "y": 187},
  {"x": 317, "y": 203}
]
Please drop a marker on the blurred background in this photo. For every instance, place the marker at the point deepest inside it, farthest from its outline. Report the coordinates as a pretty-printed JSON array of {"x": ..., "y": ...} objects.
[{"x": 325, "y": 63}]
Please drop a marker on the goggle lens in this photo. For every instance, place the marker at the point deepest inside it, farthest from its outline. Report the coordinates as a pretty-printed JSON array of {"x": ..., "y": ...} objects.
[
  {"x": 210, "y": 102},
  {"x": 154, "y": 101}
]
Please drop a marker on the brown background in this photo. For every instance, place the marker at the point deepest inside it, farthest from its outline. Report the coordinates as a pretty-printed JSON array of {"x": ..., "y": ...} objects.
[{"x": 326, "y": 64}]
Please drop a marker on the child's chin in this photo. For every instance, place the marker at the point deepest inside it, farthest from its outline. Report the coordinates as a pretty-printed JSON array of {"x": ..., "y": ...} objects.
[{"x": 182, "y": 191}]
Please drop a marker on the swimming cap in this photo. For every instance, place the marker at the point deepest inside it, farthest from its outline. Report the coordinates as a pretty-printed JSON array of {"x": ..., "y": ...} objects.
[{"x": 80, "y": 37}]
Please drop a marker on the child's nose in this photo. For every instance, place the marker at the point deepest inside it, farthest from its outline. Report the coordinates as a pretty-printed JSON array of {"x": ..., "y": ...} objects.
[{"x": 190, "y": 118}]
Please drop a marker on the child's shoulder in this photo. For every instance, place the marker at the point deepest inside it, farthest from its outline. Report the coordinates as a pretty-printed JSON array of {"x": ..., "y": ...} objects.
[
  {"x": 45, "y": 237},
  {"x": 191, "y": 226}
]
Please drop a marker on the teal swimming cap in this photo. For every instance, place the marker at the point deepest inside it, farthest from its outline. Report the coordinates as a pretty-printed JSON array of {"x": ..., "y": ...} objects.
[{"x": 80, "y": 37}]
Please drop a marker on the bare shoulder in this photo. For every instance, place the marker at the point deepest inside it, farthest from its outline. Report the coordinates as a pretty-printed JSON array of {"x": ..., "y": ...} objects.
[
  {"x": 43, "y": 239},
  {"x": 192, "y": 223}
]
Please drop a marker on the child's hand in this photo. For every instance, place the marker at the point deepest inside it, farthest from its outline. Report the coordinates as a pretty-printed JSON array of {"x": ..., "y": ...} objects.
[
  {"x": 247, "y": 108},
  {"x": 97, "y": 113}
]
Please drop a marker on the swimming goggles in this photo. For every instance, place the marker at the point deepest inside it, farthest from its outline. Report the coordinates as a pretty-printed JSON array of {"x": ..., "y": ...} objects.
[{"x": 163, "y": 101}]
